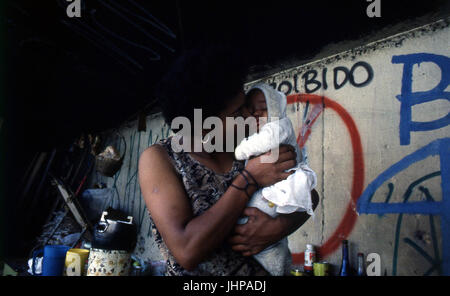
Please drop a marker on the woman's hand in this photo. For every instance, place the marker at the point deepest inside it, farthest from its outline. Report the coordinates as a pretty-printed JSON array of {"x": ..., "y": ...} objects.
[
  {"x": 261, "y": 230},
  {"x": 267, "y": 173},
  {"x": 258, "y": 233}
]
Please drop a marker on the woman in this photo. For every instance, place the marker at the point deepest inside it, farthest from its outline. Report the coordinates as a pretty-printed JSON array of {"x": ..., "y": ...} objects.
[{"x": 195, "y": 198}]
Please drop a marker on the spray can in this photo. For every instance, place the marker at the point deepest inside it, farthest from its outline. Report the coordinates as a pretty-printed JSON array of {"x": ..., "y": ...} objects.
[{"x": 310, "y": 257}]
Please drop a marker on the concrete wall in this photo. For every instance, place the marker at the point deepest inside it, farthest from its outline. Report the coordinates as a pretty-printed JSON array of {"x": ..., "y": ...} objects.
[
  {"x": 125, "y": 182},
  {"x": 374, "y": 123}
]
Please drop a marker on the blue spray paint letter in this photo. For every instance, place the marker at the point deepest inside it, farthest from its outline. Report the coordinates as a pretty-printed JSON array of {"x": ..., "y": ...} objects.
[
  {"x": 439, "y": 147},
  {"x": 408, "y": 98}
]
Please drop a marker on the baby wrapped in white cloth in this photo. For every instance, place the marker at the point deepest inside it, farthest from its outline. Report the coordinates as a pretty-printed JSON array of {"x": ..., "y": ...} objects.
[{"x": 290, "y": 195}]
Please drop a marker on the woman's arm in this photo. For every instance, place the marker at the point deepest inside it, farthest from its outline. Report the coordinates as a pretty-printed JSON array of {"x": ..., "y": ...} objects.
[
  {"x": 191, "y": 239},
  {"x": 261, "y": 230}
]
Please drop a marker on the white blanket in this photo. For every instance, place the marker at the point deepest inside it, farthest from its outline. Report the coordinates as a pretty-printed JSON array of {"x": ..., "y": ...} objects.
[{"x": 294, "y": 193}]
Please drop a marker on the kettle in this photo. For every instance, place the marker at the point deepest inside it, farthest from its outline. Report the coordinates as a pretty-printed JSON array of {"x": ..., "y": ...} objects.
[{"x": 115, "y": 231}]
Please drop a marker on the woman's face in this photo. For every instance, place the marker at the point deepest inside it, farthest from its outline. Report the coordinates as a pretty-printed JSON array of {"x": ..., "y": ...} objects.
[
  {"x": 252, "y": 105},
  {"x": 236, "y": 108}
]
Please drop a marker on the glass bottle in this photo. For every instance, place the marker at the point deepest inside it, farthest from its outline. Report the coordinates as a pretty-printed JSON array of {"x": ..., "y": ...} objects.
[
  {"x": 361, "y": 269},
  {"x": 345, "y": 264}
]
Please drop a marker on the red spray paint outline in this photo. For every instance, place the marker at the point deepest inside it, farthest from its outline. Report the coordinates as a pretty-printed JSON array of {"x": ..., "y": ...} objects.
[{"x": 347, "y": 223}]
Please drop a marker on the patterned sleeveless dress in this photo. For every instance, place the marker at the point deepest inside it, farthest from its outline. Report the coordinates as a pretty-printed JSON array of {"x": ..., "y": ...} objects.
[{"x": 204, "y": 187}]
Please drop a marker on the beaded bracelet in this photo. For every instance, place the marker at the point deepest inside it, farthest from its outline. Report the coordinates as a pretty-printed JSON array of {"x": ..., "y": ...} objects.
[{"x": 247, "y": 183}]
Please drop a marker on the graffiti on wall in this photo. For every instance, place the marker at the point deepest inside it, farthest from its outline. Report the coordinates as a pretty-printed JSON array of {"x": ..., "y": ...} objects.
[
  {"x": 408, "y": 98},
  {"x": 314, "y": 81},
  {"x": 439, "y": 147},
  {"x": 348, "y": 221}
]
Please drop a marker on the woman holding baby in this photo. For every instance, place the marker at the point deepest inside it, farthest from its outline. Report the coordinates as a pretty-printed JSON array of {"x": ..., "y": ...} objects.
[{"x": 195, "y": 199}]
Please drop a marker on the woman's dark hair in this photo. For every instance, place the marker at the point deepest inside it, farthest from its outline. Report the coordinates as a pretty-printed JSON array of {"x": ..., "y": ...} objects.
[{"x": 204, "y": 77}]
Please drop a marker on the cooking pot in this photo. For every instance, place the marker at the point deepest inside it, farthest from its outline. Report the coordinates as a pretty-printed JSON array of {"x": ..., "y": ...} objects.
[{"x": 114, "y": 233}]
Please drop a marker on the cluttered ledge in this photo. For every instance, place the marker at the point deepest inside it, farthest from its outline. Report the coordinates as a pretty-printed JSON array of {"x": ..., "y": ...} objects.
[{"x": 82, "y": 232}]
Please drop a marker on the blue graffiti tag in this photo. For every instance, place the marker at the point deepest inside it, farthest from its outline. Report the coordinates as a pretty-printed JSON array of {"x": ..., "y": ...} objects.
[
  {"x": 408, "y": 98},
  {"x": 439, "y": 147}
]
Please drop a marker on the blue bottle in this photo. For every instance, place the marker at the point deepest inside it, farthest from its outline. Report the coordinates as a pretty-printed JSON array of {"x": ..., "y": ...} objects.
[
  {"x": 345, "y": 265},
  {"x": 361, "y": 270}
]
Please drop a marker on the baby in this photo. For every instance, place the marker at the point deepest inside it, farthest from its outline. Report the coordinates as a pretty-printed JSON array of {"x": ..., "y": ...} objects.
[{"x": 290, "y": 195}]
